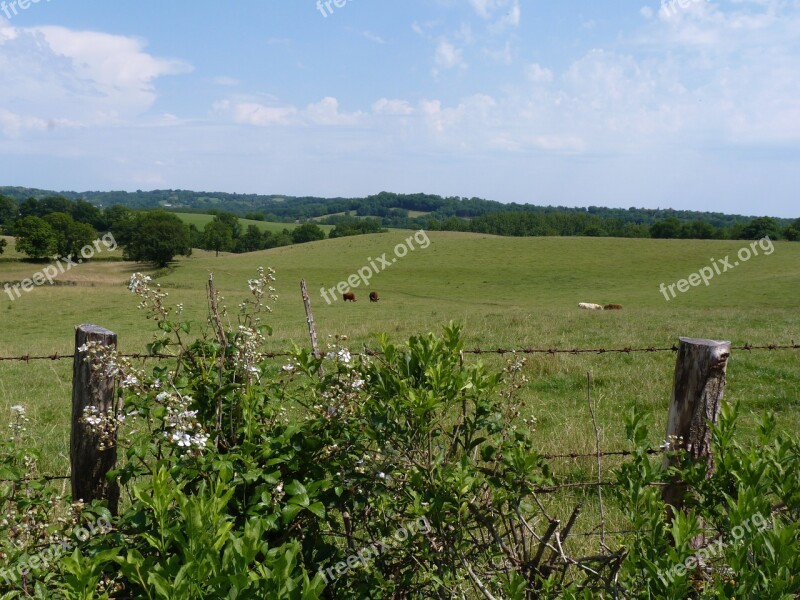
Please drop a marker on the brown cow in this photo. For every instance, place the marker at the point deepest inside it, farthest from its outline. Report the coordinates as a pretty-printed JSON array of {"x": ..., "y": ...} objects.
[
  {"x": 612, "y": 307},
  {"x": 349, "y": 296},
  {"x": 373, "y": 297}
]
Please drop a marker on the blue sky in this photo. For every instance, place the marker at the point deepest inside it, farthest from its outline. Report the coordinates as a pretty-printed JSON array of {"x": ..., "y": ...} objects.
[{"x": 689, "y": 104}]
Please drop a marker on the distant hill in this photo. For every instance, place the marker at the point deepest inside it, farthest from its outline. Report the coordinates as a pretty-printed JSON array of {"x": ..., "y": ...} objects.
[
  {"x": 408, "y": 211},
  {"x": 284, "y": 208}
]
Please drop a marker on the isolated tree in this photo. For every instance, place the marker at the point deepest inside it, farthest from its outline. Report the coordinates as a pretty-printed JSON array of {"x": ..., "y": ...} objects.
[
  {"x": 231, "y": 220},
  {"x": 158, "y": 236},
  {"x": 71, "y": 236},
  {"x": 217, "y": 236},
  {"x": 35, "y": 237},
  {"x": 308, "y": 232},
  {"x": 3, "y": 244}
]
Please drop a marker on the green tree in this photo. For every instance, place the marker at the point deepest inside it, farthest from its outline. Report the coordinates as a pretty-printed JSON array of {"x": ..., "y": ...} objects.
[
  {"x": 231, "y": 220},
  {"x": 8, "y": 211},
  {"x": 3, "y": 244},
  {"x": 792, "y": 232},
  {"x": 698, "y": 230},
  {"x": 84, "y": 212},
  {"x": 116, "y": 217},
  {"x": 71, "y": 236},
  {"x": 308, "y": 232},
  {"x": 35, "y": 237},
  {"x": 158, "y": 236},
  {"x": 217, "y": 236},
  {"x": 761, "y": 227},
  {"x": 666, "y": 229},
  {"x": 251, "y": 241}
]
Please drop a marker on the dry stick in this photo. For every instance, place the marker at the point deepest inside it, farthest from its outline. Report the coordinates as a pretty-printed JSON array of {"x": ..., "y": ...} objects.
[
  {"x": 312, "y": 328},
  {"x": 599, "y": 461},
  {"x": 478, "y": 583}
]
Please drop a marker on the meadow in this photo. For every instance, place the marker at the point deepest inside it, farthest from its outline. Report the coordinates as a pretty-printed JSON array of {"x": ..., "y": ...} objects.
[
  {"x": 506, "y": 292},
  {"x": 200, "y": 221}
]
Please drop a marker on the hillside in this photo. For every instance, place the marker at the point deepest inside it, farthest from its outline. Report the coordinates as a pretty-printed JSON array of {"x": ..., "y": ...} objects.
[{"x": 409, "y": 211}]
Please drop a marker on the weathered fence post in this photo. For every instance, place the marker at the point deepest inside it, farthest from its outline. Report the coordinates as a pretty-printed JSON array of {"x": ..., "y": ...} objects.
[
  {"x": 697, "y": 392},
  {"x": 312, "y": 328},
  {"x": 92, "y": 387}
]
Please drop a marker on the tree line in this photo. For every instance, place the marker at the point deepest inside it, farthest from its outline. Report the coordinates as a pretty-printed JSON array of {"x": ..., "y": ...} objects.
[
  {"x": 59, "y": 227},
  {"x": 417, "y": 211},
  {"x": 584, "y": 224}
]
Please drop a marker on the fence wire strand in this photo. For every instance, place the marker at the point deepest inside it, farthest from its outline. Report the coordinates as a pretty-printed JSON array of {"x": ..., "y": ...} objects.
[{"x": 477, "y": 351}]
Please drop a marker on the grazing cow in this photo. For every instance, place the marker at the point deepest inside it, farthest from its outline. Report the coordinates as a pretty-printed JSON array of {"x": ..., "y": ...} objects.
[
  {"x": 612, "y": 307},
  {"x": 349, "y": 296},
  {"x": 373, "y": 297},
  {"x": 590, "y": 306}
]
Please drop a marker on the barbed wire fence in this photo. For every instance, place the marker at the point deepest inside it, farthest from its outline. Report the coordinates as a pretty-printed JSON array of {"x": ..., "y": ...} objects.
[
  {"x": 477, "y": 351},
  {"x": 599, "y": 455}
]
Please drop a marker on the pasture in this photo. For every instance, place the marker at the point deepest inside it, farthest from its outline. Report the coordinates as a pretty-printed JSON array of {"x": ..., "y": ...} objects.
[
  {"x": 507, "y": 292},
  {"x": 200, "y": 221}
]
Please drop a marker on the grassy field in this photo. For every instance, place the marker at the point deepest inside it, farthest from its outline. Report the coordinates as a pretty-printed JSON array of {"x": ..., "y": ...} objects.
[
  {"x": 200, "y": 221},
  {"x": 507, "y": 292}
]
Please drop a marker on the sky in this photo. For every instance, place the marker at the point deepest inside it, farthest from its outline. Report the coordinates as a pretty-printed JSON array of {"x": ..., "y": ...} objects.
[{"x": 687, "y": 104}]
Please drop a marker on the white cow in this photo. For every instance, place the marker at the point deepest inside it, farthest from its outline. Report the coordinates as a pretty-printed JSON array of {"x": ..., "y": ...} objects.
[{"x": 590, "y": 306}]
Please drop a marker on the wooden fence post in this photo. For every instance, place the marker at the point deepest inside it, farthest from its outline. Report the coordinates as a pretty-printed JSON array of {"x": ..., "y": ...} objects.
[
  {"x": 312, "y": 328},
  {"x": 90, "y": 387},
  {"x": 697, "y": 392}
]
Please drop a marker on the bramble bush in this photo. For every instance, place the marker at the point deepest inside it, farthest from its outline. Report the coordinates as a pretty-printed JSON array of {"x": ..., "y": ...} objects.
[{"x": 398, "y": 474}]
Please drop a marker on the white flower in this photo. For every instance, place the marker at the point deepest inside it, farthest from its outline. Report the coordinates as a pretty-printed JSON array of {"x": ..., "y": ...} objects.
[
  {"x": 130, "y": 381},
  {"x": 162, "y": 397},
  {"x": 18, "y": 409},
  {"x": 358, "y": 383},
  {"x": 289, "y": 368}
]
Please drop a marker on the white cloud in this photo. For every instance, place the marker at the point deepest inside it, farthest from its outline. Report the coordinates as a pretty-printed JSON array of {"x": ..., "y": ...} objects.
[
  {"x": 502, "y": 14},
  {"x": 448, "y": 56},
  {"x": 255, "y": 113},
  {"x": 372, "y": 37},
  {"x": 55, "y": 75},
  {"x": 386, "y": 106},
  {"x": 538, "y": 74},
  {"x": 326, "y": 112}
]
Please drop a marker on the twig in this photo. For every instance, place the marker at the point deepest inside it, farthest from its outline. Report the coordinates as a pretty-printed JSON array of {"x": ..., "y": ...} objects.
[{"x": 478, "y": 583}]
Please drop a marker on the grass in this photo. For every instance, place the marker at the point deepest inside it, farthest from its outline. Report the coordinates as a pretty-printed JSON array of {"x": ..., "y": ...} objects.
[
  {"x": 200, "y": 221},
  {"x": 507, "y": 292}
]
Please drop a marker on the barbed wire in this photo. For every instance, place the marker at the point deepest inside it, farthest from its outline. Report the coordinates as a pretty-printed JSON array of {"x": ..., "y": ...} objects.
[{"x": 477, "y": 351}]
